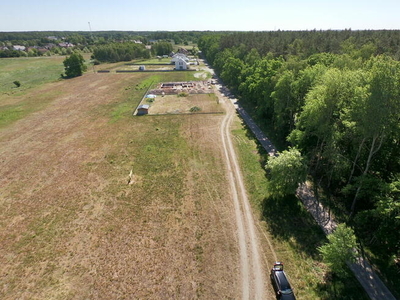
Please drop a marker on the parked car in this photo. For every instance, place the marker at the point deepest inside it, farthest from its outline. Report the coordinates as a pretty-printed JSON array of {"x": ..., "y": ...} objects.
[{"x": 280, "y": 283}]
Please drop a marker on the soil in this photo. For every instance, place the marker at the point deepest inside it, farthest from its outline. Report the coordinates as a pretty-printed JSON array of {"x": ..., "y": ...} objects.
[{"x": 172, "y": 104}]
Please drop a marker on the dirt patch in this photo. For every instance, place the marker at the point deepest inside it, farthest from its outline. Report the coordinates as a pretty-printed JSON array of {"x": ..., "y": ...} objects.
[
  {"x": 190, "y": 87},
  {"x": 202, "y": 75},
  {"x": 173, "y": 104}
]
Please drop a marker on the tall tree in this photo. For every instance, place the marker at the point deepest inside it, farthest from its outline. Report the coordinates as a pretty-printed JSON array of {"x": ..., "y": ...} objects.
[
  {"x": 379, "y": 113},
  {"x": 74, "y": 65},
  {"x": 340, "y": 250},
  {"x": 286, "y": 172}
]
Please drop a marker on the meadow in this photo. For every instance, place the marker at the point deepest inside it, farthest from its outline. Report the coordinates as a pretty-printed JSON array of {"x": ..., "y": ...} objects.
[{"x": 97, "y": 204}]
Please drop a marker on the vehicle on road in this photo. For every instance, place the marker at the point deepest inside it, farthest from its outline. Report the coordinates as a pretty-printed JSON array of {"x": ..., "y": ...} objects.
[{"x": 280, "y": 283}]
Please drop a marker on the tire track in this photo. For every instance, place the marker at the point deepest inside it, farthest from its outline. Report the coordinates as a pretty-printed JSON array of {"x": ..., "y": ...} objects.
[{"x": 251, "y": 266}]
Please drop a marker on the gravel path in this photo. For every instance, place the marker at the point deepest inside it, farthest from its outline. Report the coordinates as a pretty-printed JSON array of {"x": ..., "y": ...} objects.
[
  {"x": 251, "y": 266},
  {"x": 362, "y": 269}
]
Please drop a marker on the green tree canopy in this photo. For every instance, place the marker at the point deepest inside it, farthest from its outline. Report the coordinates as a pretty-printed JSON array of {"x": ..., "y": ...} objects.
[
  {"x": 286, "y": 172},
  {"x": 74, "y": 65},
  {"x": 340, "y": 250}
]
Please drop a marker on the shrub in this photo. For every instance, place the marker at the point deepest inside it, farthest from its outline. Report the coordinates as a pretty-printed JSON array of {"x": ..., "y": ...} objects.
[
  {"x": 183, "y": 94},
  {"x": 195, "y": 109}
]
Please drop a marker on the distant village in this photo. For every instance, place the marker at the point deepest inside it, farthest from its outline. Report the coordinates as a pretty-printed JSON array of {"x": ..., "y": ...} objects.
[{"x": 55, "y": 45}]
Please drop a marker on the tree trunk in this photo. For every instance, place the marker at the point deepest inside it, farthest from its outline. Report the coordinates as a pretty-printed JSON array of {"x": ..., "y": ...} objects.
[
  {"x": 355, "y": 160},
  {"x": 372, "y": 151}
]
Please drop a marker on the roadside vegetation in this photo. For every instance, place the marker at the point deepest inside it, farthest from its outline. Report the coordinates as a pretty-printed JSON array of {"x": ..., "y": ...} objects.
[
  {"x": 337, "y": 101},
  {"x": 291, "y": 230}
]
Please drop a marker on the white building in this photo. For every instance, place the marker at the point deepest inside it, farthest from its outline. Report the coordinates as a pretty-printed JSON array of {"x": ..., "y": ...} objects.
[
  {"x": 181, "y": 61},
  {"x": 19, "y": 48},
  {"x": 181, "y": 64}
]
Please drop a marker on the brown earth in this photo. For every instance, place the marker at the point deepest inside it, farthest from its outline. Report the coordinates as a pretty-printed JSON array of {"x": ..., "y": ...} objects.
[
  {"x": 172, "y": 104},
  {"x": 75, "y": 225}
]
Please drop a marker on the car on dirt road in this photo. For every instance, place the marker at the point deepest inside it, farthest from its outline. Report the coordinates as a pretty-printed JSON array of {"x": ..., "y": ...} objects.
[{"x": 280, "y": 283}]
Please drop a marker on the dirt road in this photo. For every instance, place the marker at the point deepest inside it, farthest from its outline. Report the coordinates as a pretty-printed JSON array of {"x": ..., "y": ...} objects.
[{"x": 251, "y": 265}]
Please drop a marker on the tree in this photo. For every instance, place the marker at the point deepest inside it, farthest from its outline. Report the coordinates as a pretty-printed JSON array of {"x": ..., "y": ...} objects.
[
  {"x": 74, "y": 65},
  {"x": 162, "y": 48},
  {"x": 340, "y": 250},
  {"x": 378, "y": 113},
  {"x": 286, "y": 172},
  {"x": 231, "y": 72}
]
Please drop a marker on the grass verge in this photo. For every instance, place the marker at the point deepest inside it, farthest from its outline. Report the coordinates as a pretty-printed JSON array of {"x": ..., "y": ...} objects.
[{"x": 292, "y": 231}]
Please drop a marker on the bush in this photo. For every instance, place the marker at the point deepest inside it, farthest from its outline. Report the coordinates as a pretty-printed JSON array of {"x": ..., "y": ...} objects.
[
  {"x": 183, "y": 94},
  {"x": 17, "y": 83},
  {"x": 195, "y": 109}
]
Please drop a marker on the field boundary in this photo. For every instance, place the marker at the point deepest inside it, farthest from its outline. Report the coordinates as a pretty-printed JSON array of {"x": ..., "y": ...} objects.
[
  {"x": 177, "y": 114},
  {"x": 150, "y": 64},
  {"x": 152, "y": 71},
  {"x": 141, "y": 100}
]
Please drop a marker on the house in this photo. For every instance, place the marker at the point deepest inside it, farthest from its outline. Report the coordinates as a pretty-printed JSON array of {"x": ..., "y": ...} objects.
[
  {"x": 19, "y": 48},
  {"x": 181, "y": 61},
  {"x": 143, "y": 110},
  {"x": 183, "y": 51},
  {"x": 181, "y": 64},
  {"x": 66, "y": 45}
]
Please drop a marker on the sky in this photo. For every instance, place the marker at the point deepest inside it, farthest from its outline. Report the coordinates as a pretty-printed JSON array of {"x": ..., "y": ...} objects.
[{"x": 213, "y": 15}]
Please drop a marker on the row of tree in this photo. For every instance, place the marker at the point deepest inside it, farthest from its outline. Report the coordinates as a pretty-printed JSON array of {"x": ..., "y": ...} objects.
[
  {"x": 115, "y": 52},
  {"x": 162, "y": 48},
  {"x": 340, "y": 108},
  {"x": 89, "y": 38}
]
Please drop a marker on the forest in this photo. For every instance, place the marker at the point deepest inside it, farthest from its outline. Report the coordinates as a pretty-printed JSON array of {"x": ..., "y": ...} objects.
[{"x": 335, "y": 97}]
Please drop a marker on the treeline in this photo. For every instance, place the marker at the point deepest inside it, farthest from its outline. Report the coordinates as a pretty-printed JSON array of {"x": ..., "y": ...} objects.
[
  {"x": 115, "y": 52},
  {"x": 305, "y": 43},
  {"x": 162, "y": 48},
  {"x": 98, "y": 37},
  {"x": 33, "y": 52},
  {"x": 335, "y": 96}
]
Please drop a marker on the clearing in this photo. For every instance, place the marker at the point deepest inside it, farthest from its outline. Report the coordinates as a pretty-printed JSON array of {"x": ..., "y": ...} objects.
[{"x": 174, "y": 104}]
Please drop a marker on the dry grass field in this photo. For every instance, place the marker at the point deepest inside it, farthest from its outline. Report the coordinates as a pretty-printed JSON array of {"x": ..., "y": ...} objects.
[
  {"x": 94, "y": 206},
  {"x": 173, "y": 104}
]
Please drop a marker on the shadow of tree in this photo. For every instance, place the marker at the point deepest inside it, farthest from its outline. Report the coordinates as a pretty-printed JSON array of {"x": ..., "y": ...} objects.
[{"x": 288, "y": 220}]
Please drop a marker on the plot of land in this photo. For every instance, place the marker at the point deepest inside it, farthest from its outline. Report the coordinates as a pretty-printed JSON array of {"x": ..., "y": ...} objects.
[
  {"x": 174, "y": 104},
  {"x": 95, "y": 204}
]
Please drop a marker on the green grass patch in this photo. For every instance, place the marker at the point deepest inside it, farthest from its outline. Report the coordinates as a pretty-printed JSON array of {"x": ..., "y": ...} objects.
[
  {"x": 293, "y": 232},
  {"x": 14, "y": 112},
  {"x": 29, "y": 71},
  {"x": 154, "y": 61}
]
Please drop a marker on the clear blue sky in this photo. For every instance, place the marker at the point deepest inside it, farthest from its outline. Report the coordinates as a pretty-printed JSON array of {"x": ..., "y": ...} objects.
[{"x": 172, "y": 15}]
